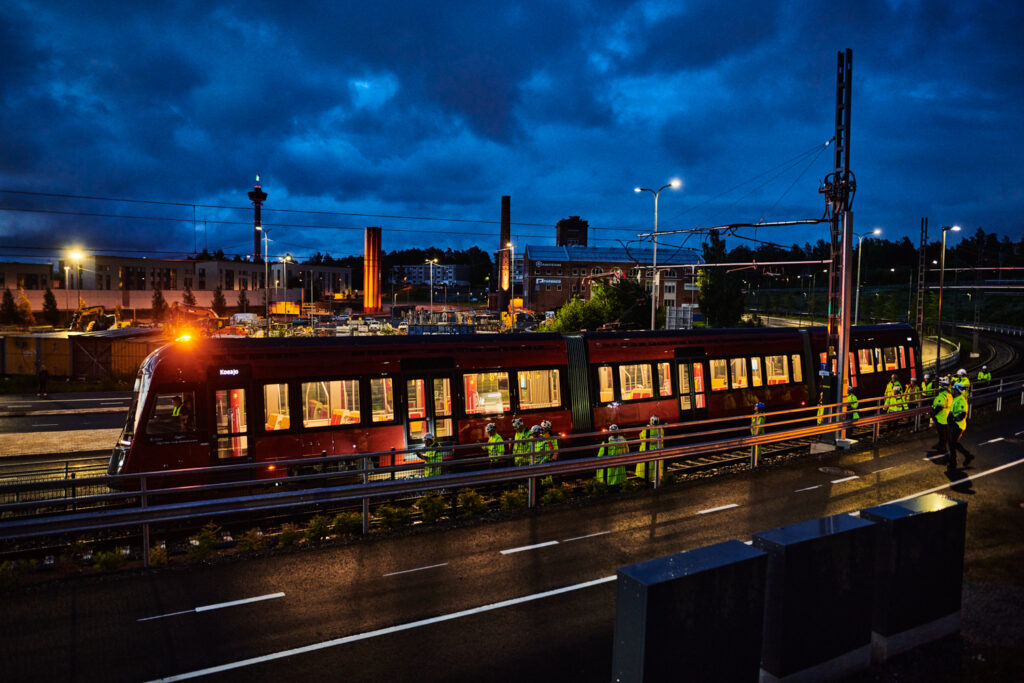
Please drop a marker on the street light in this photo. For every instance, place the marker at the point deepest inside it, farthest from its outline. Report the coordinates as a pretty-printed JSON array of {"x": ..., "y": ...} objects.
[
  {"x": 860, "y": 238},
  {"x": 67, "y": 299},
  {"x": 431, "y": 262},
  {"x": 266, "y": 269},
  {"x": 674, "y": 183},
  {"x": 942, "y": 279},
  {"x": 76, "y": 256},
  {"x": 285, "y": 260}
]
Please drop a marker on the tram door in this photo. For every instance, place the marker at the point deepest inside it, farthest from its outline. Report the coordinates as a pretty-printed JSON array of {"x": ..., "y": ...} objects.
[
  {"x": 428, "y": 408},
  {"x": 692, "y": 387}
]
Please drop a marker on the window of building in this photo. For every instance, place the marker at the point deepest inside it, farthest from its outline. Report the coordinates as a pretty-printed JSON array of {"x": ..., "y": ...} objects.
[
  {"x": 636, "y": 381},
  {"x": 738, "y": 366},
  {"x": 275, "y": 407},
  {"x": 229, "y": 408},
  {"x": 539, "y": 389},
  {"x": 605, "y": 384},
  {"x": 382, "y": 399},
  {"x": 755, "y": 372},
  {"x": 664, "y": 379},
  {"x": 719, "y": 374},
  {"x": 596, "y": 271},
  {"x": 330, "y": 403},
  {"x": 777, "y": 371},
  {"x": 486, "y": 393}
]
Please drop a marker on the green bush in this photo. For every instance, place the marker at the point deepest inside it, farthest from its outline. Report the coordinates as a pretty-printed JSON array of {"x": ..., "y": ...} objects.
[
  {"x": 80, "y": 551},
  {"x": 512, "y": 500},
  {"x": 107, "y": 561},
  {"x": 669, "y": 479},
  {"x": 393, "y": 516},
  {"x": 634, "y": 485},
  {"x": 252, "y": 540},
  {"x": 470, "y": 502},
  {"x": 8, "y": 573},
  {"x": 289, "y": 535},
  {"x": 202, "y": 545},
  {"x": 319, "y": 529},
  {"x": 347, "y": 523},
  {"x": 558, "y": 494},
  {"x": 158, "y": 556},
  {"x": 431, "y": 505},
  {"x": 594, "y": 487}
]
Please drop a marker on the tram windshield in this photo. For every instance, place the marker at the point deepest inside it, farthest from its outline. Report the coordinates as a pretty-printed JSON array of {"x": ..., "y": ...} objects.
[{"x": 139, "y": 393}]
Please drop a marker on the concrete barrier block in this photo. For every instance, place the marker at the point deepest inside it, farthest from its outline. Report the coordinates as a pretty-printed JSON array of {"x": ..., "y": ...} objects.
[
  {"x": 818, "y": 599},
  {"x": 919, "y": 570},
  {"x": 692, "y": 616}
]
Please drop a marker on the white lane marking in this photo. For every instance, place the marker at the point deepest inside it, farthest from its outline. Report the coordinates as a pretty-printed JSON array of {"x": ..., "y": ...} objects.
[
  {"x": 855, "y": 513},
  {"x": 111, "y": 403},
  {"x": 718, "y": 509},
  {"x": 985, "y": 443},
  {"x": 418, "y": 569},
  {"x": 48, "y": 424},
  {"x": 840, "y": 481},
  {"x": 528, "y": 547},
  {"x": 979, "y": 475},
  {"x": 386, "y": 631},
  {"x": 808, "y": 488},
  {"x": 940, "y": 456},
  {"x": 750, "y": 542},
  {"x": 219, "y": 605},
  {"x": 580, "y": 538},
  {"x": 1018, "y": 433},
  {"x": 884, "y": 469},
  {"x": 19, "y": 406}
]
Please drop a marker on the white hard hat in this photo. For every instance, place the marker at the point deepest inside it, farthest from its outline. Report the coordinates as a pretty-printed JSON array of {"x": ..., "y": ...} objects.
[
  {"x": 613, "y": 428},
  {"x": 961, "y": 372},
  {"x": 654, "y": 419}
]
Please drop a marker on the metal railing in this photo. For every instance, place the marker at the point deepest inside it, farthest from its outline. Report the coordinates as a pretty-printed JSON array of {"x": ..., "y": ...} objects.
[{"x": 347, "y": 480}]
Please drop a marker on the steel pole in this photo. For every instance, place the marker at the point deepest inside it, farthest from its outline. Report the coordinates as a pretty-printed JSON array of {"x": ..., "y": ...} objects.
[
  {"x": 938, "y": 326},
  {"x": 654, "y": 264},
  {"x": 856, "y": 306}
]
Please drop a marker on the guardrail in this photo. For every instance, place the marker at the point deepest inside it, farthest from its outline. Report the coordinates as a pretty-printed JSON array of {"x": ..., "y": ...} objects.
[{"x": 309, "y": 488}]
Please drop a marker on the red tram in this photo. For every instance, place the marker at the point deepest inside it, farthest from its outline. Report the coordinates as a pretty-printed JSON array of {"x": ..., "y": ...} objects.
[{"x": 220, "y": 401}]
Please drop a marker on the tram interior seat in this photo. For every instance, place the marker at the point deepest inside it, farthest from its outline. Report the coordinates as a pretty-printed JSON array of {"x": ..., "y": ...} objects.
[
  {"x": 277, "y": 421},
  {"x": 344, "y": 417}
]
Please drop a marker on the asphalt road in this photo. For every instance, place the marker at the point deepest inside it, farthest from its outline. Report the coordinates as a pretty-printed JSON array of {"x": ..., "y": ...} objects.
[{"x": 524, "y": 599}]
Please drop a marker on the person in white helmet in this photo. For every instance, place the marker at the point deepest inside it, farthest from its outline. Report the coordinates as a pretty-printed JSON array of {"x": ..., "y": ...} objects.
[
  {"x": 431, "y": 455},
  {"x": 614, "y": 445},
  {"x": 495, "y": 445},
  {"x": 984, "y": 376},
  {"x": 522, "y": 442},
  {"x": 652, "y": 438},
  {"x": 963, "y": 381}
]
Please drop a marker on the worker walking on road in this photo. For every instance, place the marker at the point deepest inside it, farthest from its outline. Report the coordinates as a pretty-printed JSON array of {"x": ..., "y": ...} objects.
[
  {"x": 614, "y": 445},
  {"x": 522, "y": 444},
  {"x": 431, "y": 455},
  {"x": 652, "y": 438},
  {"x": 957, "y": 426},
  {"x": 495, "y": 444},
  {"x": 941, "y": 405}
]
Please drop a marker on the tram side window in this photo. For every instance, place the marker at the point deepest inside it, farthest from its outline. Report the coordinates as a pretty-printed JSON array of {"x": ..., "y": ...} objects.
[
  {"x": 443, "y": 408},
  {"x": 605, "y": 384},
  {"x": 330, "y": 403},
  {"x": 275, "y": 407},
  {"x": 739, "y": 373},
  {"x": 756, "y": 375},
  {"x": 636, "y": 381},
  {"x": 903, "y": 356},
  {"x": 539, "y": 389},
  {"x": 382, "y": 401},
  {"x": 798, "y": 375},
  {"x": 865, "y": 361},
  {"x": 879, "y": 365},
  {"x": 486, "y": 393},
  {"x": 173, "y": 413},
  {"x": 664, "y": 379},
  {"x": 232, "y": 441},
  {"x": 698, "y": 386},
  {"x": 777, "y": 371},
  {"x": 685, "y": 402},
  {"x": 719, "y": 374},
  {"x": 889, "y": 355}
]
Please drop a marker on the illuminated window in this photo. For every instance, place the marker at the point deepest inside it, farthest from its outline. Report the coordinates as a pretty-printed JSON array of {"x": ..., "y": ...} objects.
[
  {"x": 664, "y": 379},
  {"x": 755, "y": 372},
  {"x": 229, "y": 407},
  {"x": 173, "y": 413},
  {"x": 903, "y": 356},
  {"x": 798, "y": 374},
  {"x": 275, "y": 407},
  {"x": 486, "y": 393},
  {"x": 442, "y": 407},
  {"x": 330, "y": 403},
  {"x": 605, "y": 384},
  {"x": 719, "y": 374},
  {"x": 636, "y": 382},
  {"x": 698, "y": 386},
  {"x": 417, "y": 408},
  {"x": 685, "y": 400},
  {"x": 382, "y": 403},
  {"x": 865, "y": 361},
  {"x": 776, "y": 368},
  {"x": 539, "y": 389},
  {"x": 738, "y": 366}
]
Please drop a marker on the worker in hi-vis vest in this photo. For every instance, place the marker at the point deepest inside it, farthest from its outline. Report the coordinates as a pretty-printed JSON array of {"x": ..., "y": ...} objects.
[
  {"x": 614, "y": 445},
  {"x": 652, "y": 438}
]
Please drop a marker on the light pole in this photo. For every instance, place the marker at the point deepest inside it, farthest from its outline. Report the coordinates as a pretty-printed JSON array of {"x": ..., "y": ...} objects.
[
  {"x": 942, "y": 280},
  {"x": 284, "y": 276},
  {"x": 674, "y": 183},
  {"x": 860, "y": 238},
  {"x": 266, "y": 269},
  {"x": 67, "y": 294},
  {"x": 431, "y": 262},
  {"x": 76, "y": 256}
]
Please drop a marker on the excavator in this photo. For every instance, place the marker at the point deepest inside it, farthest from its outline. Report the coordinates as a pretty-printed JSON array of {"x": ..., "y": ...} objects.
[
  {"x": 92, "y": 319},
  {"x": 189, "y": 319}
]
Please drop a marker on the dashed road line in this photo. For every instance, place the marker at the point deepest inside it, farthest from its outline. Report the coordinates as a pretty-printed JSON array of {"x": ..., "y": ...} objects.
[
  {"x": 808, "y": 488},
  {"x": 580, "y": 538},
  {"x": 520, "y": 549},
  {"x": 48, "y": 424},
  {"x": 219, "y": 605},
  {"x": 985, "y": 443},
  {"x": 718, "y": 509},
  {"x": 940, "y": 456},
  {"x": 884, "y": 469},
  {"x": 417, "y": 569},
  {"x": 840, "y": 481}
]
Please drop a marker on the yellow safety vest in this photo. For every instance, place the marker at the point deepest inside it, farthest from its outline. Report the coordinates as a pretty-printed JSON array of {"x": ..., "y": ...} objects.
[
  {"x": 959, "y": 412},
  {"x": 612, "y": 476},
  {"x": 495, "y": 447},
  {"x": 652, "y": 439},
  {"x": 941, "y": 405}
]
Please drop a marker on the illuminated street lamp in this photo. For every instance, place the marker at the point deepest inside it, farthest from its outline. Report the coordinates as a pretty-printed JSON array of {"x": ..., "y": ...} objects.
[
  {"x": 675, "y": 183},
  {"x": 266, "y": 268},
  {"x": 76, "y": 256},
  {"x": 860, "y": 238},
  {"x": 431, "y": 262},
  {"x": 67, "y": 299},
  {"x": 942, "y": 279}
]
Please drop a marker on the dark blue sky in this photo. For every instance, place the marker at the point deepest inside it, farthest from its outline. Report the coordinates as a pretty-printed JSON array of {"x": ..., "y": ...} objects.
[{"x": 437, "y": 109}]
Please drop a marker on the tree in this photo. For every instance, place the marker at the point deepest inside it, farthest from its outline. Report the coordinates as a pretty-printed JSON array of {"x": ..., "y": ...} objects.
[
  {"x": 219, "y": 305},
  {"x": 622, "y": 301},
  {"x": 243, "y": 301},
  {"x": 187, "y": 297},
  {"x": 721, "y": 293},
  {"x": 25, "y": 316},
  {"x": 50, "y": 311},
  {"x": 8, "y": 309},
  {"x": 159, "y": 305}
]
